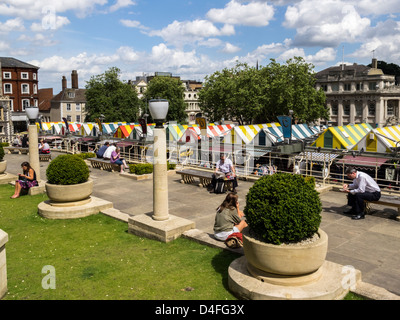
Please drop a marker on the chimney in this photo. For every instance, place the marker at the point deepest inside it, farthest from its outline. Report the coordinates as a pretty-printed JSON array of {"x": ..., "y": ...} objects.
[
  {"x": 375, "y": 63},
  {"x": 74, "y": 79},
  {"x": 64, "y": 83}
]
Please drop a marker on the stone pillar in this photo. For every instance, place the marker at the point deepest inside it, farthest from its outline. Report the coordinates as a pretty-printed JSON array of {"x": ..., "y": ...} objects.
[
  {"x": 340, "y": 114},
  {"x": 34, "y": 150},
  {"x": 3, "y": 263},
  {"x": 352, "y": 112},
  {"x": 160, "y": 178}
]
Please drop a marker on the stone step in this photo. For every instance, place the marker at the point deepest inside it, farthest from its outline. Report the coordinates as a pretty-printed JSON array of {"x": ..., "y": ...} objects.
[{"x": 116, "y": 214}]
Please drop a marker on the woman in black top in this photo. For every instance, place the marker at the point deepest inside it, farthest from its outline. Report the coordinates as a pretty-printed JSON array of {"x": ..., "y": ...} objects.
[{"x": 25, "y": 180}]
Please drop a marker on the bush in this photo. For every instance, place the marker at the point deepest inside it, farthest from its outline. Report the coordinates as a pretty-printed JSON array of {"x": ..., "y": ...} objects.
[
  {"x": 141, "y": 168},
  {"x": 4, "y": 144},
  {"x": 1, "y": 153},
  {"x": 146, "y": 168},
  {"x": 67, "y": 169},
  {"x": 86, "y": 155},
  {"x": 283, "y": 208}
]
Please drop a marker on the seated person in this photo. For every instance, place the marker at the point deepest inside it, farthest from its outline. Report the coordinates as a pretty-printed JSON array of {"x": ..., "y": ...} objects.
[
  {"x": 25, "y": 180},
  {"x": 102, "y": 150},
  {"x": 25, "y": 141},
  {"x": 229, "y": 218},
  {"x": 16, "y": 142},
  {"x": 44, "y": 147},
  {"x": 109, "y": 150},
  {"x": 225, "y": 166},
  {"x": 116, "y": 158}
]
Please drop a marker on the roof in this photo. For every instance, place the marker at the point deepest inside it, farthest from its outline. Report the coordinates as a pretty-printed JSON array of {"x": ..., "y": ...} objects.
[
  {"x": 64, "y": 95},
  {"x": 355, "y": 70},
  {"x": 8, "y": 62},
  {"x": 361, "y": 161}
]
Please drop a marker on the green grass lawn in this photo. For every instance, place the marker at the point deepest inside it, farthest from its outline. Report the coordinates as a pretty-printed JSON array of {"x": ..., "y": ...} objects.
[{"x": 95, "y": 258}]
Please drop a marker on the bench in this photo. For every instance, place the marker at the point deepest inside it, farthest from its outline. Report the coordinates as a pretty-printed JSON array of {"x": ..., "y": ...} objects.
[
  {"x": 205, "y": 177},
  {"x": 385, "y": 201},
  {"x": 20, "y": 150},
  {"x": 45, "y": 157},
  {"x": 103, "y": 164}
]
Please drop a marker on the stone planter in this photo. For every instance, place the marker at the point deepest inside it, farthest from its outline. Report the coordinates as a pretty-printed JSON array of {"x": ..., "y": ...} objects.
[
  {"x": 3, "y": 166},
  {"x": 69, "y": 193},
  {"x": 285, "y": 260}
]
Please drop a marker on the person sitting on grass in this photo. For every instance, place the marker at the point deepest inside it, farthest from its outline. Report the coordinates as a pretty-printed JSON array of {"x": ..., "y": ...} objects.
[
  {"x": 116, "y": 158},
  {"x": 25, "y": 180},
  {"x": 229, "y": 218}
]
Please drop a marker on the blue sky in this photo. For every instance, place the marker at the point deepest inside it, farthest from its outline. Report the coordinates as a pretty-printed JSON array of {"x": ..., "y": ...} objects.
[{"x": 193, "y": 39}]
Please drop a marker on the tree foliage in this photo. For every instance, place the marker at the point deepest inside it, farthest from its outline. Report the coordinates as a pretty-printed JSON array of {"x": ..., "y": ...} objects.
[
  {"x": 106, "y": 94},
  {"x": 250, "y": 95},
  {"x": 172, "y": 90}
]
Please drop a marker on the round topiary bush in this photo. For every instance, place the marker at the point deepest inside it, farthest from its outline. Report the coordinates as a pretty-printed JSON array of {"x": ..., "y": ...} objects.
[
  {"x": 283, "y": 208},
  {"x": 67, "y": 169},
  {"x": 1, "y": 153}
]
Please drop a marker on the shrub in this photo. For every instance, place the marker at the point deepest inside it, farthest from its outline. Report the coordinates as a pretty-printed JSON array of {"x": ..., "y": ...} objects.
[
  {"x": 67, "y": 169},
  {"x": 4, "y": 144},
  {"x": 86, "y": 155},
  {"x": 283, "y": 208},
  {"x": 1, "y": 153},
  {"x": 141, "y": 168},
  {"x": 171, "y": 166}
]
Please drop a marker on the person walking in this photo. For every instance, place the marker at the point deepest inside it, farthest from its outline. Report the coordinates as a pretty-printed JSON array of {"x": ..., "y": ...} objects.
[{"x": 363, "y": 188}]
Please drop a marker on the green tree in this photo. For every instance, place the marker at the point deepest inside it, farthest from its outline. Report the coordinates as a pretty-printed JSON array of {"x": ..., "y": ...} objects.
[
  {"x": 107, "y": 95},
  {"x": 291, "y": 86},
  {"x": 172, "y": 90},
  {"x": 232, "y": 94},
  {"x": 248, "y": 95}
]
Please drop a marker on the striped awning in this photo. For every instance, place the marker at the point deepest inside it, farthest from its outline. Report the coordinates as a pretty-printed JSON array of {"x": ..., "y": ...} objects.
[
  {"x": 175, "y": 131},
  {"x": 342, "y": 137},
  {"x": 124, "y": 131},
  {"x": 301, "y": 131},
  {"x": 390, "y": 135},
  {"x": 247, "y": 133}
]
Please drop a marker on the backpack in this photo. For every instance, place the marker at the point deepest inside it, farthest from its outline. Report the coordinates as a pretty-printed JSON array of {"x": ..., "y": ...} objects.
[
  {"x": 219, "y": 186},
  {"x": 235, "y": 240}
]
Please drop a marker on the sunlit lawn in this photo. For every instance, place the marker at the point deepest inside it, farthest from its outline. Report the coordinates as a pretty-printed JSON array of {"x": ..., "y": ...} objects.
[{"x": 96, "y": 258}]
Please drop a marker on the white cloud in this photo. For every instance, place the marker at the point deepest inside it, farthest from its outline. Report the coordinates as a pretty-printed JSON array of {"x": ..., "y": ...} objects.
[
  {"x": 132, "y": 24},
  {"x": 325, "y": 25},
  {"x": 10, "y": 25},
  {"x": 251, "y": 14},
  {"x": 37, "y": 9},
  {"x": 122, "y": 4},
  {"x": 181, "y": 33},
  {"x": 57, "y": 23},
  {"x": 230, "y": 48}
]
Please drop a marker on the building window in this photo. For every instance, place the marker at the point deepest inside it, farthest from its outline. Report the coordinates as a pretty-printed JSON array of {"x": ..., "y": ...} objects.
[
  {"x": 390, "y": 110},
  {"x": 371, "y": 108},
  {"x": 71, "y": 94},
  {"x": 34, "y": 76},
  {"x": 25, "y": 88},
  {"x": 324, "y": 87},
  {"x": 6, "y": 75},
  {"x": 335, "y": 87},
  {"x": 359, "y": 87},
  {"x": 372, "y": 86},
  {"x": 68, "y": 107},
  {"x": 78, "y": 107},
  {"x": 35, "y": 88},
  {"x": 78, "y": 118},
  {"x": 24, "y": 75},
  {"x": 347, "y": 87},
  {"x": 335, "y": 109},
  {"x": 7, "y": 88},
  {"x": 25, "y": 103},
  {"x": 358, "y": 109},
  {"x": 69, "y": 118},
  {"x": 346, "y": 109}
]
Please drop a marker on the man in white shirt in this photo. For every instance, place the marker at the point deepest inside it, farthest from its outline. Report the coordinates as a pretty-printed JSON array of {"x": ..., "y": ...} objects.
[
  {"x": 362, "y": 188},
  {"x": 226, "y": 167},
  {"x": 109, "y": 150}
]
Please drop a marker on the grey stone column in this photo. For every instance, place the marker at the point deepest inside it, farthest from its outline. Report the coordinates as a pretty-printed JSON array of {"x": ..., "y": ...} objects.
[
  {"x": 34, "y": 150},
  {"x": 160, "y": 178},
  {"x": 3, "y": 263}
]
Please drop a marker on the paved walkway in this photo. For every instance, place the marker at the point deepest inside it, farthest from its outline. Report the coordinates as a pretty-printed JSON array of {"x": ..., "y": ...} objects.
[{"x": 371, "y": 245}]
